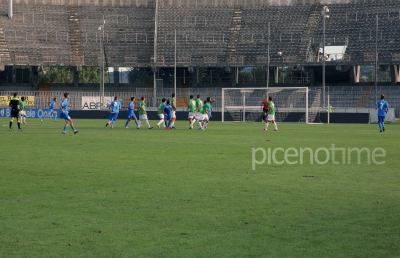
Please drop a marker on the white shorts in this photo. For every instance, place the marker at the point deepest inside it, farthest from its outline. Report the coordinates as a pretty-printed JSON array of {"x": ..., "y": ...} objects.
[
  {"x": 205, "y": 117},
  {"x": 173, "y": 114},
  {"x": 22, "y": 113},
  {"x": 143, "y": 117},
  {"x": 191, "y": 115},
  {"x": 271, "y": 118},
  {"x": 198, "y": 116},
  {"x": 161, "y": 116}
]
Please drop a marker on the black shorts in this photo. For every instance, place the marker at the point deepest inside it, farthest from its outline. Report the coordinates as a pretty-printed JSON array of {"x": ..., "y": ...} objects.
[
  {"x": 14, "y": 113},
  {"x": 265, "y": 114}
]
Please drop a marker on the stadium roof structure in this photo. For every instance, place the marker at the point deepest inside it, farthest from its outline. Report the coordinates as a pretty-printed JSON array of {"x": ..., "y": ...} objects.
[{"x": 217, "y": 33}]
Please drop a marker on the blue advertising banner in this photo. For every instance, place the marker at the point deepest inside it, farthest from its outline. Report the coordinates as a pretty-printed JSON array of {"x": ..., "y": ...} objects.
[{"x": 37, "y": 113}]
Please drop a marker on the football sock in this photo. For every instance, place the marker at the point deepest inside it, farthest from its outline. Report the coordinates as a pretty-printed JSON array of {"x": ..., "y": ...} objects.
[{"x": 148, "y": 124}]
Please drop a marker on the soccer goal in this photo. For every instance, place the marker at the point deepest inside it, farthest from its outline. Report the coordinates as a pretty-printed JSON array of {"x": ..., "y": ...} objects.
[{"x": 245, "y": 104}]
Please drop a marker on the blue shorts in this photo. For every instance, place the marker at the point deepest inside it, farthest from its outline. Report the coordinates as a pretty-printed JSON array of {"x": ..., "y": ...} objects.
[
  {"x": 381, "y": 119},
  {"x": 132, "y": 116},
  {"x": 65, "y": 116},
  {"x": 113, "y": 116}
]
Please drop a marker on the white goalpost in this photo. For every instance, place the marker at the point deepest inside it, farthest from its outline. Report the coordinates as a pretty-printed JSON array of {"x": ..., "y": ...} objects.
[{"x": 245, "y": 104}]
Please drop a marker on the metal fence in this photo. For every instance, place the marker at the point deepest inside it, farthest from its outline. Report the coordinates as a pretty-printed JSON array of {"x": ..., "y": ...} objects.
[{"x": 339, "y": 96}]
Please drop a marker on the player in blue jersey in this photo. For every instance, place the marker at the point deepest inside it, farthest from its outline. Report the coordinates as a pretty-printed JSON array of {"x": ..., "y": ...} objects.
[
  {"x": 168, "y": 115},
  {"x": 65, "y": 114},
  {"x": 115, "y": 107},
  {"x": 383, "y": 107},
  {"x": 52, "y": 107},
  {"x": 131, "y": 113}
]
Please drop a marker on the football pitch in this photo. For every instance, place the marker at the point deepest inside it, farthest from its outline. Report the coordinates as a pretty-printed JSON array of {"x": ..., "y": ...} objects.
[{"x": 191, "y": 193}]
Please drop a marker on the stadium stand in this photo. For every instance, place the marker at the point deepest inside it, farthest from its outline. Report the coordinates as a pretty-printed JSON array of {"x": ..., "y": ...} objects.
[
  {"x": 56, "y": 34},
  {"x": 210, "y": 33}
]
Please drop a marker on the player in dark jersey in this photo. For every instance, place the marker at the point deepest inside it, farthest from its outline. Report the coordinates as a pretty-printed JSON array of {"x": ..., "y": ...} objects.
[
  {"x": 14, "y": 106},
  {"x": 265, "y": 108}
]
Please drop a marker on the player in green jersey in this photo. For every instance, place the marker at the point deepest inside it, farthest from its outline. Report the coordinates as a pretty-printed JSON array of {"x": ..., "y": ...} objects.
[
  {"x": 143, "y": 113},
  {"x": 22, "y": 112},
  {"x": 160, "y": 113},
  {"x": 271, "y": 114},
  {"x": 192, "y": 111},
  {"x": 199, "y": 105},
  {"x": 204, "y": 113}
]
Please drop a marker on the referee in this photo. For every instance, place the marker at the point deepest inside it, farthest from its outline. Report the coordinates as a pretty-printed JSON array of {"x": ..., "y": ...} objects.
[{"x": 14, "y": 106}]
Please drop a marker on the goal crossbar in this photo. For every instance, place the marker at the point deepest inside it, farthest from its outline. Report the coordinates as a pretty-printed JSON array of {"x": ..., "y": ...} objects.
[{"x": 252, "y": 108}]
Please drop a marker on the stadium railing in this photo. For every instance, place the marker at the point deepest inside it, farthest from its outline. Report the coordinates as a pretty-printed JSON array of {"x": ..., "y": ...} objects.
[{"x": 340, "y": 97}]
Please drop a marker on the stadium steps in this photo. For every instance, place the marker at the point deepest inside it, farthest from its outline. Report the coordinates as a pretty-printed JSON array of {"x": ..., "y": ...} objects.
[
  {"x": 365, "y": 96},
  {"x": 234, "y": 36},
  {"x": 4, "y": 51},
  {"x": 314, "y": 20},
  {"x": 314, "y": 105},
  {"x": 74, "y": 35}
]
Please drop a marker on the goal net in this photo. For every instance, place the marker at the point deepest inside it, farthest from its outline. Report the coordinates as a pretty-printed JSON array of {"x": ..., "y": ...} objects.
[{"x": 245, "y": 104}]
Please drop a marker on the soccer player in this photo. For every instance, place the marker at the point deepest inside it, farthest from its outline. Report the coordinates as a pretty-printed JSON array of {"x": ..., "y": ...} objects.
[
  {"x": 131, "y": 113},
  {"x": 168, "y": 114},
  {"x": 22, "y": 112},
  {"x": 115, "y": 107},
  {"x": 265, "y": 111},
  {"x": 271, "y": 115},
  {"x": 198, "y": 116},
  {"x": 143, "y": 113},
  {"x": 160, "y": 113},
  {"x": 212, "y": 101},
  {"x": 383, "y": 107},
  {"x": 192, "y": 110},
  {"x": 52, "y": 106},
  {"x": 204, "y": 114},
  {"x": 15, "y": 108},
  {"x": 65, "y": 114},
  {"x": 209, "y": 112},
  {"x": 173, "y": 105}
]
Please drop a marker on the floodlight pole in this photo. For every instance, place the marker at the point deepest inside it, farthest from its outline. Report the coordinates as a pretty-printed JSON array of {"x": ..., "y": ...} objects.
[
  {"x": 102, "y": 29},
  {"x": 325, "y": 14},
  {"x": 155, "y": 56},
  {"x": 323, "y": 65},
  {"x": 376, "y": 58},
  {"x": 283, "y": 71},
  {"x": 175, "y": 65},
  {"x": 268, "y": 54},
  {"x": 280, "y": 53},
  {"x": 329, "y": 109},
  {"x": 10, "y": 9}
]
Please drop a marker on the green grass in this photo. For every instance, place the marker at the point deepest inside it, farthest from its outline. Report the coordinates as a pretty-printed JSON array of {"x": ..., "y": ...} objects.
[{"x": 141, "y": 193}]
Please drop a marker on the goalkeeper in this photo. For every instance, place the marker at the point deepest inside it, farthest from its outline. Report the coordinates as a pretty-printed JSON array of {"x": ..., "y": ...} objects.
[{"x": 265, "y": 108}]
